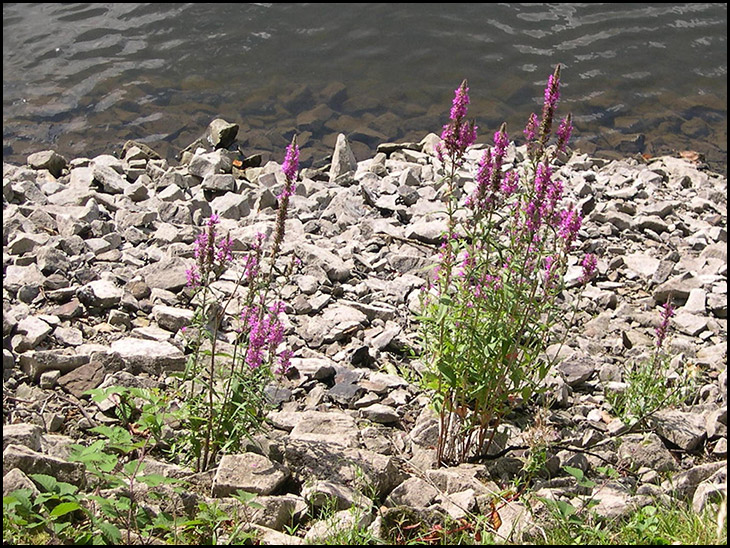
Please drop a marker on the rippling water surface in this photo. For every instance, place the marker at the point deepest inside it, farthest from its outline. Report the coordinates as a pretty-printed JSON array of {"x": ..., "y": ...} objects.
[{"x": 83, "y": 78}]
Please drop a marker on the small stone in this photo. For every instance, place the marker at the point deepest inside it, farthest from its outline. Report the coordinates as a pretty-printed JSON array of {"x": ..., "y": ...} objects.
[
  {"x": 100, "y": 294},
  {"x": 48, "y": 159},
  {"x": 33, "y": 462},
  {"x": 414, "y": 492},
  {"x": 221, "y": 134},
  {"x": 22, "y": 433},
  {"x": 686, "y": 430},
  {"x": 48, "y": 379},
  {"x": 83, "y": 378},
  {"x": 380, "y": 413},
  {"x": 152, "y": 357},
  {"x": 344, "y": 163}
]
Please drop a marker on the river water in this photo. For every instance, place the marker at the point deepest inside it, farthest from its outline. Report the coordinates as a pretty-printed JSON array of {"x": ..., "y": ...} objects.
[{"x": 83, "y": 78}]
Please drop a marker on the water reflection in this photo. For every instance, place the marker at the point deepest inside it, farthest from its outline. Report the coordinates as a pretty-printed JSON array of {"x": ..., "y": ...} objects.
[{"x": 82, "y": 78}]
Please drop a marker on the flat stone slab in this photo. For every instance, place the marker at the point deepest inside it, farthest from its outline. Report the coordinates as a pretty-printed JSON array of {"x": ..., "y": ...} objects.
[
  {"x": 685, "y": 430},
  {"x": 249, "y": 472},
  {"x": 149, "y": 356},
  {"x": 326, "y": 427}
]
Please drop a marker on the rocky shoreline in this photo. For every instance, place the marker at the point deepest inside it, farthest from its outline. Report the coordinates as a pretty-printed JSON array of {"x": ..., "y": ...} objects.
[{"x": 94, "y": 259}]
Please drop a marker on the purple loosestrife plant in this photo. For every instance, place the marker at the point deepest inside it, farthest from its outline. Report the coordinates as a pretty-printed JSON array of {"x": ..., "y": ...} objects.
[
  {"x": 653, "y": 383},
  {"x": 224, "y": 402},
  {"x": 491, "y": 311}
]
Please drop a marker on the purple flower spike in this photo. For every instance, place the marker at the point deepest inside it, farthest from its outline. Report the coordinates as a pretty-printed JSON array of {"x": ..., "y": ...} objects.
[
  {"x": 564, "y": 131},
  {"x": 661, "y": 331},
  {"x": 193, "y": 276},
  {"x": 533, "y": 124},
  {"x": 460, "y": 104},
  {"x": 570, "y": 223},
  {"x": 458, "y": 134},
  {"x": 290, "y": 167},
  {"x": 589, "y": 264},
  {"x": 552, "y": 90}
]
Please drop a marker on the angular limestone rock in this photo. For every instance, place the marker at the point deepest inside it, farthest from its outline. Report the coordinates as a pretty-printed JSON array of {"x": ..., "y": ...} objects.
[{"x": 249, "y": 472}]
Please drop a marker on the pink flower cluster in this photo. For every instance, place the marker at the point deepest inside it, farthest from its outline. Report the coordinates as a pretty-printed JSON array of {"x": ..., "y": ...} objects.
[
  {"x": 489, "y": 178},
  {"x": 547, "y": 193},
  {"x": 264, "y": 332},
  {"x": 213, "y": 254},
  {"x": 537, "y": 131},
  {"x": 661, "y": 331},
  {"x": 458, "y": 134},
  {"x": 290, "y": 167},
  {"x": 589, "y": 264}
]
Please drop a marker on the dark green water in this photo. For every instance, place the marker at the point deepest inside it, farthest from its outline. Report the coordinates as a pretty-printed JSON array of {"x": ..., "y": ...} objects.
[{"x": 83, "y": 78}]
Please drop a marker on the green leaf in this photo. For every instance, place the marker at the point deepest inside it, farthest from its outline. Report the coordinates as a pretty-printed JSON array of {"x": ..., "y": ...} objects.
[
  {"x": 577, "y": 473},
  {"x": 45, "y": 482},
  {"x": 153, "y": 480},
  {"x": 133, "y": 467},
  {"x": 110, "y": 532},
  {"x": 245, "y": 496},
  {"x": 65, "y": 508},
  {"x": 565, "y": 508}
]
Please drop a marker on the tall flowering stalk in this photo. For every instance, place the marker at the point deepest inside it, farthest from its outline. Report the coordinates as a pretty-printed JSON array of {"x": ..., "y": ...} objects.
[
  {"x": 538, "y": 130},
  {"x": 653, "y": 383},
  {"x": 456, "y": 137},
  {"x": 290, "y": 168},
  {"x": 224, "y": 408},
  {"x": 489, "y": 316}
]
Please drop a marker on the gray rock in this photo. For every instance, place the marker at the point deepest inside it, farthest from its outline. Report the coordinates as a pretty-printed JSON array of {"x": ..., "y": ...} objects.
[
  {"x": 344, "y": 163},
  {"x": 172, "y": 318},
  {"x": 645, "y": 265},
  {"x": 677, "y": 287},
  {"x": 221, "y": 134},
  {"x": 33, "y": 462},
  {"x": 646, "y": 450},
  {"x": 34, "y": 331},
  {"x": 18, "y": 276},
  {"x": 26, "y": 434},
  {"x": 577, "y": 370},
  {"x": 110, "y": 180},
  {"x": 383, "y": 414},
  {"x": 231, "y": 206},
  {"x": 685, "y": 483},
  {"x": 83, "y": 378},
  {"x": 167, "y": 274},
  {"x": 337, "y": 270},
  {"x": 321, "y": 493},
  {"x": 219, "y": 182},
  {"x": 614, "y": 501},
  {"x": 690, "y": 324},
  {"x": 100, "y": 294},
  {"x": 430, "y": 232},
  {"x": 277, "y": 512},
  {"x": 329, "y": 428},
  {"x": 48, "y": 159},
  {"x": 352, "y": 467},
  {"x": 337, "y": 322},
  {"x": 319, "y": 369},
  {"x": 414, "y": 492},
  {"x": 16, "y": 479},
  {"x": 686, "y": 430},
  {"x": 210, "y": 163},
  {"x": 249, "y": 472},
  {"x": 35, "y": 362},
  {"x": 152, "y": 357}
]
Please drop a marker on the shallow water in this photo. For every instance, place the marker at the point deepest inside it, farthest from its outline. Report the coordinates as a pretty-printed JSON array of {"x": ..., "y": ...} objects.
[{"x": 83, "y": 78}]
